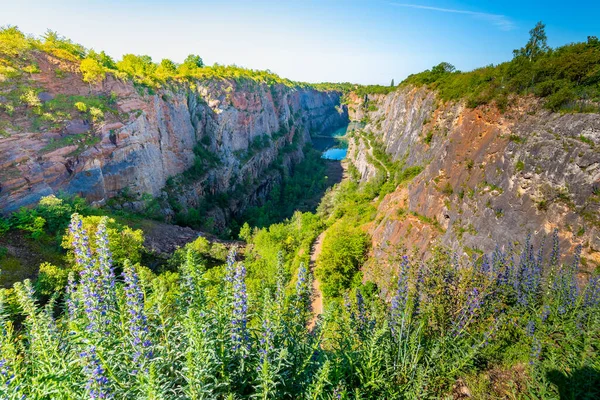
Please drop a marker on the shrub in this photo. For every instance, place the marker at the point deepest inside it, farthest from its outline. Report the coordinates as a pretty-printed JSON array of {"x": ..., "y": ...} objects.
[
  {"x": 50, "y": 280},
  {"x": 31, "y": 99},
  {"x": 343, "y": 253},
  {"x": 125, "y": 243},
  {"x": 81, "y": 106},
  {"x": 97, "y": 114},
  {"x": 13, "y": 42},
  {"x": 201, "y": 251},
  {"x": 428, "y": 137},
  {"x": 56, "y": 212},
  {"x": 448, "y": 190},
  {"x": 92, "y": 71},
  {"x": 29, "y": 221}
]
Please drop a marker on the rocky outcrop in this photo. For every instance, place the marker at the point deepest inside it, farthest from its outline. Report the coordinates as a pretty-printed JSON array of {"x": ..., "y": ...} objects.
[
  {"x": 239, "y": 128},
  {"x": 489, "y": 178}
]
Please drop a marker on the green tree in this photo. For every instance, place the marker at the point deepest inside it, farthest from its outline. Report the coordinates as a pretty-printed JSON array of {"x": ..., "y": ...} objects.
[
  {"x": 344, "y": 251},
  {"x": 245, "y": 232},
  {"x": 62, "y": 46},
  {"x": 103, "y": 59},
  {"x": 12, "y": 41},
  {"x": 140, "y": 66},
  {"x": 537, "y": 44},
  {"x": 443, "y": 68},
  {"x": 92, "y": 71},
  {"x": 190, "y": 64},
  {"x": 392, "y": 84},
  {"x": 167, "y": 68},
  {"x": 193, "y": 61}
]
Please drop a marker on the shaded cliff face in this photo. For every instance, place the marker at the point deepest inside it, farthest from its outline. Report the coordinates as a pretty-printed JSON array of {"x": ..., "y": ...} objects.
[
  {"x": 489, "y": 178},
  {"x": 149, "y": 138}
]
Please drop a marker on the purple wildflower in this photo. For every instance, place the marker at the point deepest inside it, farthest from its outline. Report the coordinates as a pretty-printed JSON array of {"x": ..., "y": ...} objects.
[
  {"x": 239, "y": 321},
  {"x": 138, "y": 323},
  {"x": 555, "y": 249},
  {"x": 530, "y": 328},
  {"x": 5, "y": 372},
  {"x": 97, "y": 383},
  {"x": 71, "y": 297},
  {"x": 348, "y": 306},
  {"x": 267, "y": 337},
  {"x": 81, "y": 247},
  {"x": 545, "y": 313},
  {"x": 97, "y": 277},
  {"x": 592, "y": 292},
  {"x": 485, "y": 265}
]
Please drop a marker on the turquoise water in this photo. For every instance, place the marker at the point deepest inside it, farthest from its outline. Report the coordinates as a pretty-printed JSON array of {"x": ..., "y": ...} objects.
[
  {"x": 334, "y": 147},
  {"x": 335, "y": 154}
]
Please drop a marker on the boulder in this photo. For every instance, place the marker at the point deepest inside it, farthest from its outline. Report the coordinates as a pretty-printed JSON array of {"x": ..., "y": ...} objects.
[
  {"x": 45, "y": 96},
  {"x": 77, "y": 126}
]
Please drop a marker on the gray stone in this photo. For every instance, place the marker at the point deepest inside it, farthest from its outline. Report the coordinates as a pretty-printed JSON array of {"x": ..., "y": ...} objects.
[
  {"x": 77, "y": 126},
  {"x": 45, "y": 96}
]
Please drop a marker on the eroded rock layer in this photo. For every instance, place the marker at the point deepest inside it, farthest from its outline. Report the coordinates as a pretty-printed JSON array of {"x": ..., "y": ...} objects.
[
  {"x": 489, "y": 178},
  {"x": 244, "y": 127}
]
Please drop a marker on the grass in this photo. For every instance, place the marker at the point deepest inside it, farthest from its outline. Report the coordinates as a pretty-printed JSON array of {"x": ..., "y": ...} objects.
[{"x": 587, "y": 140}]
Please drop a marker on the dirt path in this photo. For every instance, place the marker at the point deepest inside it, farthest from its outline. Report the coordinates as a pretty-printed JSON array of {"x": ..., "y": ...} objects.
[
  {"x": 317, "y": 299},
  {"x": 387, "y": 171}
]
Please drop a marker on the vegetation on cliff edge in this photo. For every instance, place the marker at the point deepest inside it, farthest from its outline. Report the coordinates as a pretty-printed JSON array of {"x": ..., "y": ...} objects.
[{"x": 567, "y": 77}]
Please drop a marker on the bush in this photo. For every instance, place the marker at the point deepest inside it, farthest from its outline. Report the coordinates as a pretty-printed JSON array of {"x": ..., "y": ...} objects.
[
  {"x": 81, "y": 106},
  {"x": 29, "y": 221},
  {"x": 92, "y": 71},
  {"x": 56, "y": 213},
  {"x": 50, "y": 279},
  {"x": 344, "y": 251},
  {"x": 97, "y": 114},
  {"x": 13, "y": 42},
  {"x": 201, "y": 251},
  {"x": 31, "y": 99},
  {"x": 125, "y": 243}
]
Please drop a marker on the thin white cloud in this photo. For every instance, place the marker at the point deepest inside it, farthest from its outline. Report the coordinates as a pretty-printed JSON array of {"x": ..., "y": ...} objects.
[{"x": 499, "y": 20}]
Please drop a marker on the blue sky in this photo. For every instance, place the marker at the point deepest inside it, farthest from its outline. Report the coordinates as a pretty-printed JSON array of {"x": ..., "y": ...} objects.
[{"x": 367, "y": 42}]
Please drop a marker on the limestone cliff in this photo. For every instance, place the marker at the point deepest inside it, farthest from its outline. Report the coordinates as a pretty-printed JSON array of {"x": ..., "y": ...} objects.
[
  {"x": 489, "y": 177},
  {"x": 233, "y": 131}
]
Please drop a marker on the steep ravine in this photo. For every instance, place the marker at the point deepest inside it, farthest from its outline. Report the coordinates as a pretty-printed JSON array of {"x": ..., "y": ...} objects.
[
  {"x": 489, "y": 178},
  {"x": 244, "y": 132}
]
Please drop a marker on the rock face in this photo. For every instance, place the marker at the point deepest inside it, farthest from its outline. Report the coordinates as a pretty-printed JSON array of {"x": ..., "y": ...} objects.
[
  {"x": 489, "y": 178},
  {"x": 152, "y": 138}
]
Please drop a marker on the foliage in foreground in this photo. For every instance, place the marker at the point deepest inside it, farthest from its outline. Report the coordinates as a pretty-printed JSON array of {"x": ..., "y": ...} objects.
[{"x": 176, "y": 336}]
